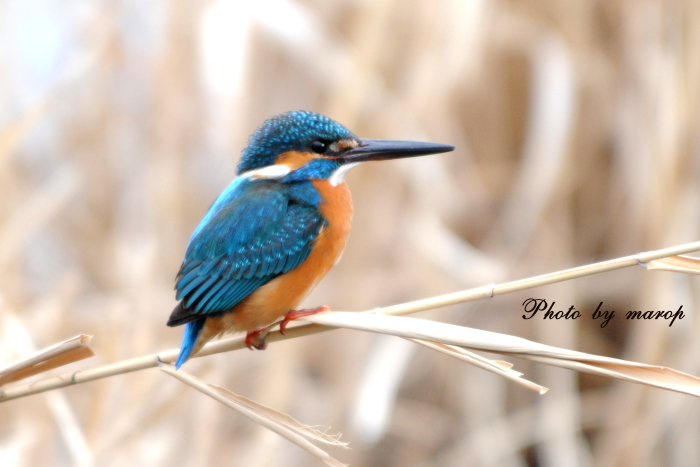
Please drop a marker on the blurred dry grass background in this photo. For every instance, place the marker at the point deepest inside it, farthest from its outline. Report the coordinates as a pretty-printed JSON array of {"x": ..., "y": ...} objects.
[{"x": 578, "y": 137}]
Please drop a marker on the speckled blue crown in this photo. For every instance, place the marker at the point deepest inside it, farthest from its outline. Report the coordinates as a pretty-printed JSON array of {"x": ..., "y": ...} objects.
[{"x": 290, "y": 131}]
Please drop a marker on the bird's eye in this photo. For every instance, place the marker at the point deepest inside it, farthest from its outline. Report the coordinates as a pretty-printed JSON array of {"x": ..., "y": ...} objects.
[{"x": 318, "y": 146}]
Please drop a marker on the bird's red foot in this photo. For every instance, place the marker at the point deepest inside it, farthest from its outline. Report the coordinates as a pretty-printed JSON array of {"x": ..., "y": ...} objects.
[
  {"x": 294, "y": 314},
  {"x": 253, "y": 339}
]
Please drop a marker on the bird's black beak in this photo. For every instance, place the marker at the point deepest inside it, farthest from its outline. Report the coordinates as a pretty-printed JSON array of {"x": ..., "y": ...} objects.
[{"x": 381, "y": 150}]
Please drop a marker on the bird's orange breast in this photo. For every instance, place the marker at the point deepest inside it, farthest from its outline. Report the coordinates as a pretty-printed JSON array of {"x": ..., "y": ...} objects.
[{"x": 273, "y": 300}]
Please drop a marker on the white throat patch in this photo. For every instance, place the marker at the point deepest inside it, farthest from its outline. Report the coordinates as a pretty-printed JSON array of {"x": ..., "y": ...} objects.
[
  {"x": 270, "y": 171},
  {"x": 338, "y": 176}
]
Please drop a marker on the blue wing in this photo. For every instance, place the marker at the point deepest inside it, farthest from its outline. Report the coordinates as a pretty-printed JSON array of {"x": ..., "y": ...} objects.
[{"x": 262, "y": 230}]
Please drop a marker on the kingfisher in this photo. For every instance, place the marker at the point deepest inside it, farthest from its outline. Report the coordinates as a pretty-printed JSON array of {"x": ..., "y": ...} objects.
[{"x": 276, "y": 230}]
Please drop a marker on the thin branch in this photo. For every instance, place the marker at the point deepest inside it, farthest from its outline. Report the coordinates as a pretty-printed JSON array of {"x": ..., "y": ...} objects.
[
  {"x": 66, "y": 352},
  {"x": 684, "y": 264},
  {"x": 231, "y": 400},
  {"x": 501, "y": 368},
  {"x": 235, "y": 343},
  {"x": 415, "y": 328}
]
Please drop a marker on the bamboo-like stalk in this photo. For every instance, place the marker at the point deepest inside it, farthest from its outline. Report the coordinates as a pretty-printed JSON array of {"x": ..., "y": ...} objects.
[
  {"x": 434, "y": 331},
  {"x": 72, "y": 350},
  {"x": 500, "y": 368},
  {"x": 255, "y": 415},
  {"x": 684, "y": 264},
  {"x": 235, "y": 343}
]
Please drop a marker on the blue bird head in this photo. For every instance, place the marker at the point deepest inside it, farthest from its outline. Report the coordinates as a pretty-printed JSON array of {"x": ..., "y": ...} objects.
[
  {"x": 299, "y": 131},
  {"x": 312, "y": 146}
]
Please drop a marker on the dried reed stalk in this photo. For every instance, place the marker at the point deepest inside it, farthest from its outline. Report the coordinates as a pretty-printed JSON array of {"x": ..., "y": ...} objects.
[
  {"x": 151, "y": 361},
  {"x": 414, "y": 328},
  {"x": 679, "y": 263},
  {"x": 72, "y": 350},
  {"x": 277, "y": 422},
  {"x": 498, "y": 367}
]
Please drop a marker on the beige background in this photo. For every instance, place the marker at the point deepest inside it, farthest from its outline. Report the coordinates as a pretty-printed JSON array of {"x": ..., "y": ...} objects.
[{"x": 577, "y": 134}]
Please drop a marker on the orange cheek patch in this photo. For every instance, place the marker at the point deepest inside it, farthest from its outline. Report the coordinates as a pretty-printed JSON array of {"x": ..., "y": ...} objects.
[{"x": 295, "y": 159}]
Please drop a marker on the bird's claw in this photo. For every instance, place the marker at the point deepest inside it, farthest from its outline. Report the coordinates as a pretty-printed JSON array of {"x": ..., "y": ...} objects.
[
  {"x": 253, "y": 339},
  {"x": 294, "y": 314}
]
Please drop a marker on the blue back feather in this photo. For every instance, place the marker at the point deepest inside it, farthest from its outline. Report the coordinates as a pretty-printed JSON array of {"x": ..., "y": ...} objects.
[{"x": 263, "y": 228}]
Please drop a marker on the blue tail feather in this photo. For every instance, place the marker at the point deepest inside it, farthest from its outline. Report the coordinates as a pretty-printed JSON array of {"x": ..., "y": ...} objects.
[{"x": 192, "y": 332}]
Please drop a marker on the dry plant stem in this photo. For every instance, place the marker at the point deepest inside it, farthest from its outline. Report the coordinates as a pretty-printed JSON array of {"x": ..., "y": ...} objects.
[
  {"x": 499, "y": 368},
  {"x": 679, "y": 263},
  {"x": 416, "y": 328},
  {"x": 545, "y": 279},
  {"x": 151, "y": 361},
  {"x": 673, "y": 380},
  {"x": 66, "y": 352},
  {"x": 282, "y": 419},
  {"x": 270, "y": 425}
]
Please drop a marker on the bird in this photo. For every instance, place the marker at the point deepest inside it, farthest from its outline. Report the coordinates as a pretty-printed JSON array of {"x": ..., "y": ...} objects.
[{"x": 276, "y": 230}]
